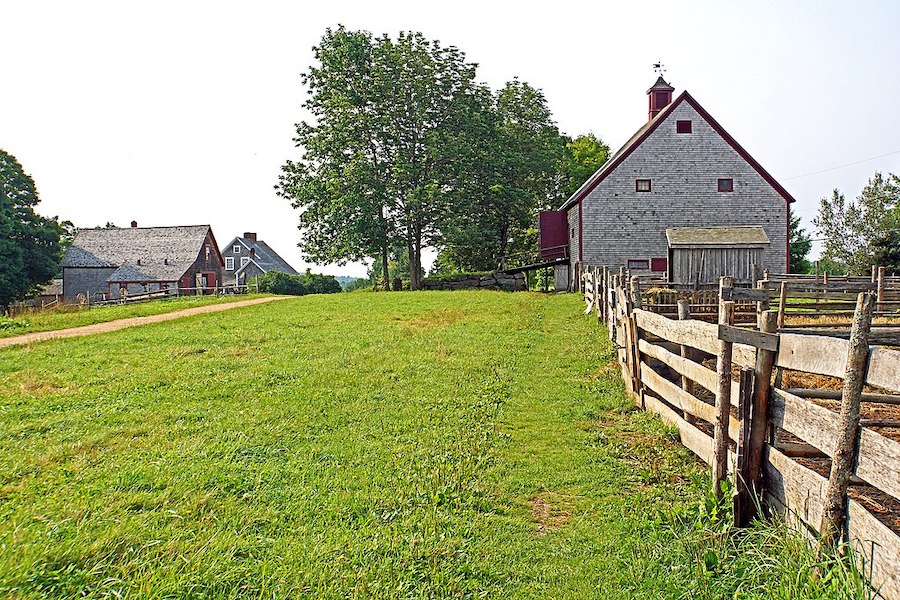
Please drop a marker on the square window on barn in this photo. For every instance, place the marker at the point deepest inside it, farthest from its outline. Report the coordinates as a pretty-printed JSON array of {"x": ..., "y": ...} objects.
[
  {"x": 642, "y": 185},
  {"x": 659, "y": 264},
  {"x": 236, "y": 249},
  {"x": 229, "y": 263},
  {"x": 726, "y": 185},
  {"x": 638, "y": 264},
  {"x": 683, "y": 126},
  {"x": 244, "y": 260}
]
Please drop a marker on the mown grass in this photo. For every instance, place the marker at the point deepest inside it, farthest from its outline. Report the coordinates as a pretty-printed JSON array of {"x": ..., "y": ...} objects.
[
  {"x": 72, "y": 316},
  {"x": 427, "y": 445}
]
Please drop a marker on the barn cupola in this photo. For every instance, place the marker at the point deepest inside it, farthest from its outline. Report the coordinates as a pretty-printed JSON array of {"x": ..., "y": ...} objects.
[{"x": 660, "y": 96}]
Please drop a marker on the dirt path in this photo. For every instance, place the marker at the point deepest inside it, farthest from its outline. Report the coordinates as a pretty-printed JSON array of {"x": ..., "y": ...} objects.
[{"x": 41, "y": 336}]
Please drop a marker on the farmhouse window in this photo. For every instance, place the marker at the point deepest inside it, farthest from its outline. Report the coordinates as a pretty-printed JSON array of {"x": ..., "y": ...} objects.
[
  {"x": 683, "y": 126},
  {"x": 244, "y": 260},
  {"x": 229, "y": 263},
  {"x": 726, "y": 185},
  {"x": 642, "y": 185},
  {"x": 638, "y": 264},
  {"x": 207, "y": 252},
  {"x": 659, "y": 264},
  {"x": 236, "y": 249}
]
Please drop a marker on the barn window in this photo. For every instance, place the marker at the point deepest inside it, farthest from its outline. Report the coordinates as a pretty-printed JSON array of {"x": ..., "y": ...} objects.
[
  {"x": 726, "y": 185},
  {"x": 244, "y": 260},
  {"x": 637, "y": 264},
  {"x": 207, "y": 252},
  {"x": 683, "y": 126},
  {"x": 659, "y": 264},
  {"x": 236, "y": 249},
  {"x": 229, "y": 263},
  {"x": 642, "y": 185}
]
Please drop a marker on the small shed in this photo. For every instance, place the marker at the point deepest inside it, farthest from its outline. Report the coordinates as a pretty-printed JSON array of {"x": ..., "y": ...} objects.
[{"x": 700, "y": 255}]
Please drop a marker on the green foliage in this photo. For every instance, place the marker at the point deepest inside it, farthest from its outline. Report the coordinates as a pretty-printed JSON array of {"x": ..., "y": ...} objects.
[
  {"x": 30, "y": 248},
  {"x": 584, "y": 155},
  {"x": 13, "y": 325},
  {"x": 851, "y": 230},
  {"x": 800, "y": 244},
  {"x": 276, "y": 282}
]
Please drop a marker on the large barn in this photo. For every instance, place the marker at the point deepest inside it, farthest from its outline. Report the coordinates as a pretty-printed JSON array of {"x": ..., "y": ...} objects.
[
  {"x": 680, "y": 170},
  {"x": 102, "y": 263}
]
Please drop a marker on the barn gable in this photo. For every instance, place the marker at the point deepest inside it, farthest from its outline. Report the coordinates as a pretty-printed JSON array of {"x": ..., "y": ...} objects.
[{"x": 680, "y": 169}]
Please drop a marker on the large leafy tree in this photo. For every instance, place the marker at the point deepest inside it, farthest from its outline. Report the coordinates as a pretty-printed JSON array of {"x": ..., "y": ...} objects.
[
  {"x": 378, "y": 164},
  {"x": 29, "y": 243},
  {"x": 800, "y": 244},
  {"x": 584, "y": 155},
  {"x": 851, "y": 229}
]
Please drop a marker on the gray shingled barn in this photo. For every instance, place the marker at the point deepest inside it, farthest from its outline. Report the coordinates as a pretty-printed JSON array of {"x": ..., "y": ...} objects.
[
  {"x": 681, "y": 169},
  {"x": 102, "y": 263}
]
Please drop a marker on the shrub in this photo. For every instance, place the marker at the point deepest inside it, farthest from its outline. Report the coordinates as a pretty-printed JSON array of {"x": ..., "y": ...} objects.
[{"x": 275, "y": 282}]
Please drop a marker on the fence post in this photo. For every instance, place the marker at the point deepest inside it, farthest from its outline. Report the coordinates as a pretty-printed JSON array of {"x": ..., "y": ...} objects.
[
  {"x": 817, "y": 273},
  {"x": 598, "y": 309},
  {"x": 759, "y": 422},
  {"x": 636, "y": 292},
  {"x": 874, "y": 274},
  {"x": 782, "y": 298},
  {"x": 684, "y": 313},
  {"x": 605, "y": 282},
  {"x": 880, "y": 289},
  {"x": 846, "y": 448},
  {"x": 743, "y": 498},
  {"x": 763, "y": 305},
  {"x": 723, "y": 394}
]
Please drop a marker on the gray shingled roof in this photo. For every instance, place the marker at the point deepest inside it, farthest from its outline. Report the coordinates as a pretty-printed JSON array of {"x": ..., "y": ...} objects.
[
  {"x": 140, "y": 253},
  {"x": 719, "y": 237},
  {"x": 266, "y": 258}
]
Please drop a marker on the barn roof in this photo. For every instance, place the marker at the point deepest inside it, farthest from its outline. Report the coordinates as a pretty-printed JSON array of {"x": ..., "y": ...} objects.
[
  {"x": 266, "y": 258},
  {"x": 138, "y": 253},
  {"x": 649, "y": 127},
  {"x": 751, "y": 236}
]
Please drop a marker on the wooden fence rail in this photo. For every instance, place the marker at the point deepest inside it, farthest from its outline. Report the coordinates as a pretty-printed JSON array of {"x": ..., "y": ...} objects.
[{"x": 775, "y": 444}]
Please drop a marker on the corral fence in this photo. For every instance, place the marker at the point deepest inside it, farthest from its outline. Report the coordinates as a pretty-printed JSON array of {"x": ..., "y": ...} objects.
[{"x": 827, "y": 460}]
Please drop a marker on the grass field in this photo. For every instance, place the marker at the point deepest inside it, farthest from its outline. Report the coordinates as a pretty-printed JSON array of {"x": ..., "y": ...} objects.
[
  {"x": 415, "y": 445},
  {"x": 72, "y": 316}
]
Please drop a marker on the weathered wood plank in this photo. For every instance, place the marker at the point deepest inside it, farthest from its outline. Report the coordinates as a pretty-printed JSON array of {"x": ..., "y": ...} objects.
[
  {"x": 699, "y": 374},
  {"x": 683, "y": 400},
  {"x": 884, "y": 369},
  {"x": 836, "y": 395},
  {"x": 822, "y": 355},
  {"x": 757, "y": 339},
  {"x": 692, "y": 438},
  {"x": 807, "y": 420},
  {"x": 752, "y": 295},
  {"x": 800, "y": 490},
  {"x": 879, "y": 458},
  {"x": 696, "y": 334}
]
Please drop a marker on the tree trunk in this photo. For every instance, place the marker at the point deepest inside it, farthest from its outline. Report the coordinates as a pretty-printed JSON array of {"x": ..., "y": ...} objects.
[
  {"x": 415, "y": 259},
  {"x": 384, "y": 269}
]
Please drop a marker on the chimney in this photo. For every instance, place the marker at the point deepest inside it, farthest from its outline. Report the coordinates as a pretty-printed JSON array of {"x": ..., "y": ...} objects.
[
  {"x": 249, "y": 235},
  {"x": 660, "y": 96},
  {"x": 134, "y": 223}
]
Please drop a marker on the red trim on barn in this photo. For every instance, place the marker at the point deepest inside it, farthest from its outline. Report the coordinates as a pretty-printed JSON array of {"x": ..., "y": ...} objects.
[
  {"x": 625, "y": 152},
  {"x": 580, "y": 234}
]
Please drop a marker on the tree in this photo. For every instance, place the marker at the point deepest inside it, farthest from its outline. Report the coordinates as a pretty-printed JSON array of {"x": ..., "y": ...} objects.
[
  {"x": 29, "y": 243},
  {"x": 800, "y": 244},
  {"x": 584, "y": 155},
  {"x": 377, "y": 165},
  {"x": 850, "y": 229}
]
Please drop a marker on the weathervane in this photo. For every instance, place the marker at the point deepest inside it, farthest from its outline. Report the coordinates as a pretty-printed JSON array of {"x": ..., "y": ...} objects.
[{"x": 659, "y": 68}]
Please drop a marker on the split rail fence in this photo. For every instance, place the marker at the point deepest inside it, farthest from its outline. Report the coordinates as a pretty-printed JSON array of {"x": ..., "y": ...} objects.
[{"x": 721, "y": 387}]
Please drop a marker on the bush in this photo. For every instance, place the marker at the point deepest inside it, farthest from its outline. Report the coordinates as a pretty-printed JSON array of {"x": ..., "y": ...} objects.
[{"x": 275, "y": 282}]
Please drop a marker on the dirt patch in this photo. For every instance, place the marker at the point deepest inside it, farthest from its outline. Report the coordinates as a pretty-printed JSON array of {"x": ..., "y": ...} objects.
[
  {"x": 551, "y": 511},
  {"x": 30, "y": 385},
  {"x": 435, "y": 319}
]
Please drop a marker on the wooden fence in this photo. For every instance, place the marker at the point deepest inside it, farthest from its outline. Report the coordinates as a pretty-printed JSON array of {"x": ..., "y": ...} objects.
[{"x": 790, "y": 448}]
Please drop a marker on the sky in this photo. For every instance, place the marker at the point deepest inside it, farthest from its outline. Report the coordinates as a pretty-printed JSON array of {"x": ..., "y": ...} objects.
[{"x": 182, "y": 113}]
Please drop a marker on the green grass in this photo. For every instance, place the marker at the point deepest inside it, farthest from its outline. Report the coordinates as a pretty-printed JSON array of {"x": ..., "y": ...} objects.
[
  {"x": 72, "y": 316},
  {"x": 419, "y": 445}
]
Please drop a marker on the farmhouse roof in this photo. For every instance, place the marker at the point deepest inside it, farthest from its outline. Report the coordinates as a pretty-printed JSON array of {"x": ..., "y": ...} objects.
[
  {"x": 265, "y": 257},
  {"x": 644, "y": 132},
  {"x": 751, "y": 236},
  {"x": 138, "y": 253}
]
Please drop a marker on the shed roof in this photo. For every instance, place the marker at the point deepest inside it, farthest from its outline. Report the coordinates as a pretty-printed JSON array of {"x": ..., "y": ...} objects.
[
  {"x": 138, "y": 253},
  {"x": 751, "y": 236}
]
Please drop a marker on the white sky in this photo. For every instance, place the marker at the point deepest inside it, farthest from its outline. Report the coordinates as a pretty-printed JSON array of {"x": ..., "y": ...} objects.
[{"x": 178, "y": 113}]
